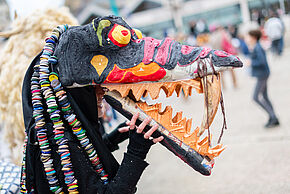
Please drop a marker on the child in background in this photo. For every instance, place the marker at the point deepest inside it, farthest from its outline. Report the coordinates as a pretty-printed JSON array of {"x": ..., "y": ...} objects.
[{"x": 260, "y": 70}]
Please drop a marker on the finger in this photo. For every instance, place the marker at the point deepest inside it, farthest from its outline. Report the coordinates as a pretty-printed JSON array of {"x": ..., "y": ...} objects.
[
  {"x": 133, "y": 120},
  {"x": 143, "y": 124},
  {"x": 156, "y": 140},
  {"x": 128, "y": 123},
  {"x": 123, "y": 129},
  {"x": 150, "y": 131}
]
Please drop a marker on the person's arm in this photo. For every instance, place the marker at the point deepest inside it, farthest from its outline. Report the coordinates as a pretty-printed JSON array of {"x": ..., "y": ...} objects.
[
  {"x": 118, "y": 135},
  {"x": 133, "y": 163}
]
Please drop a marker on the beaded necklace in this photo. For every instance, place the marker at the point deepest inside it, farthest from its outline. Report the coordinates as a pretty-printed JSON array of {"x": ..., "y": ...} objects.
[{"x": 45, "y": 83}]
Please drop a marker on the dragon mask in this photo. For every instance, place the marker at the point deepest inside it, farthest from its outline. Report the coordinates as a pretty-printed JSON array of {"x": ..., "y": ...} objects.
[{"x": 108, "y": 52}]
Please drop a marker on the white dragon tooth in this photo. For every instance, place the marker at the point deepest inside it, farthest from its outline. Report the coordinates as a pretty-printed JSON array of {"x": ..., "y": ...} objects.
[{"x": 162, "y": 108}]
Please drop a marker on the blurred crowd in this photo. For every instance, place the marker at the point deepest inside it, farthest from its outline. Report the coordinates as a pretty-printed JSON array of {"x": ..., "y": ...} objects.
[
  {"x": 251, "y": 42},
  {"x": 230, "y": 38}
]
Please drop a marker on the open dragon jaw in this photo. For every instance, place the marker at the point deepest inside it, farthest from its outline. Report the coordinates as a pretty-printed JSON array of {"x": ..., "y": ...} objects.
[{"x": 111, "y": 53}]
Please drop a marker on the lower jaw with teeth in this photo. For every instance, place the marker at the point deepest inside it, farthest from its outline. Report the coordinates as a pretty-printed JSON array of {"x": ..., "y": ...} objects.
[{"x": 178, "y": 136}]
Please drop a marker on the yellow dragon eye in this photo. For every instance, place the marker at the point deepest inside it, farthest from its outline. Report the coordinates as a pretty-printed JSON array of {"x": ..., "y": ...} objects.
[
  {"x": 120, "y": 35},
  {"x": 138, "y": 33}
]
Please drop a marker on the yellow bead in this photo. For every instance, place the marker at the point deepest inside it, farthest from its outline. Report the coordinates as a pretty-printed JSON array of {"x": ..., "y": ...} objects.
[{"x": 52, "y": 77}]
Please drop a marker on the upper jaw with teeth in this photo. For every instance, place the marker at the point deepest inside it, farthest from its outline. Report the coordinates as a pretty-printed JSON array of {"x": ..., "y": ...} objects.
[
  {"x": 178, "y": 125},
  {"x": 201, "y": 75}
]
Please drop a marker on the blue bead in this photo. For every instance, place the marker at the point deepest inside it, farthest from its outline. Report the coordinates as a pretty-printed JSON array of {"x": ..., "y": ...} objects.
[
  {"x": 52, "y": 61},
  {"x": 54, "y": 37},
  {"x": 50, "y": 41}
]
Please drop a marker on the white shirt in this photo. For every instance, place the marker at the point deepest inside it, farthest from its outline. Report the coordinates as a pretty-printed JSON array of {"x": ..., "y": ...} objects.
[{"x": 274, "y": 28}]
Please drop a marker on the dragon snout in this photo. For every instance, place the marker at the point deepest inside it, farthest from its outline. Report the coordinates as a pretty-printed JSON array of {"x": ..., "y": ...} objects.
[
  {"x": 223, "y": 59},
  {"x": 171, "y": 55}
]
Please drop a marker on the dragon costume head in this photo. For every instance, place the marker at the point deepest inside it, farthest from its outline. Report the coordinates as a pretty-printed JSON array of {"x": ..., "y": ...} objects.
[
  {"x": 108, "y": 52},
  {"x": 111, "y": 53}
]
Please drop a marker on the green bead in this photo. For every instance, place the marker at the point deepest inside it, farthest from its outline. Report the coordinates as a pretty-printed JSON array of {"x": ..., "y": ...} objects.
[
  {"x": 66, "y": 109},
  {"x": 59, "y": 137}
]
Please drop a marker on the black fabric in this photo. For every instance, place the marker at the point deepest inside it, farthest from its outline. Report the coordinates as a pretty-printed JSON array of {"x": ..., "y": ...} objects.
[
  {"x": 115, "y": 137},
  {"x": 138, "y": 146},
  {"x": 123, "y": 179},
  {"x": 126, "y": 178},
  {"x": 101, "y": 126}
]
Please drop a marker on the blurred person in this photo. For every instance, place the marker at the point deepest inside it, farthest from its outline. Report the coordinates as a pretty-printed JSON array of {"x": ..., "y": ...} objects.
[
  {"x": 193, "y": 30},
  {"x": 243, "y": 47},
  {"x": 202, "y": 39},
  {"x": 191, "y": 38},
  {"x": 274, "y": 29},
  {"x": 233, "y": 30},
  {"x": 198, "y": 35},
  {"x": 258, "y": 16},
  {"x": 221, "y": 39},
  {"x": 260, "y": 70},
  {"x": 201, "y": 27}
]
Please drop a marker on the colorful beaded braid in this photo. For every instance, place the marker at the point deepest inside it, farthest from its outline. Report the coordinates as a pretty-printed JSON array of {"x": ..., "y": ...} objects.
[
  {"x": 76, "y": 125},
  {"x": 54, "y": 113},
  {"x": 45, "y": 154},
  {"x": 42, "y": 82}
]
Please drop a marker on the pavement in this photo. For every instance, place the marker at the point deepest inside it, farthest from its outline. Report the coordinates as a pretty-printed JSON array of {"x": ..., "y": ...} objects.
[{"x": 256, "y": 160}]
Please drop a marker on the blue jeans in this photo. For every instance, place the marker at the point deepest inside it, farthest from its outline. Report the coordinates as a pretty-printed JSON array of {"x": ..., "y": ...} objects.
[
  {"x": 261, "y": 97},
  {"x": 277, "y": 46}
]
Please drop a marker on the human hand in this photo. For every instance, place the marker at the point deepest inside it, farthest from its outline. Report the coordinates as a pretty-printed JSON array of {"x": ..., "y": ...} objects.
[
  {"x": 140, "y": 141},
  {"x": 124, "y": 129},
  {"x": 140, "y": 128}
]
